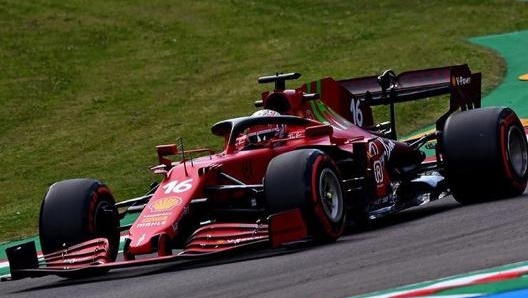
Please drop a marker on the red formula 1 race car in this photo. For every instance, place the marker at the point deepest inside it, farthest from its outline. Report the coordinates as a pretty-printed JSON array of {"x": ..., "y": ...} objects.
[{"x": 310, "y": 162}]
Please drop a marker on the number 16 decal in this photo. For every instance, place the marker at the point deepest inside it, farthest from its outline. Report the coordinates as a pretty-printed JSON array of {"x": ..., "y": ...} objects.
[
  {"x": 177, "y": 187},
  {"x": 357, "y": 114}
]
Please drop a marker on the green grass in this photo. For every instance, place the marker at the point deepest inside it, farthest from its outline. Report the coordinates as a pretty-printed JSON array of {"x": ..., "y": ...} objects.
[{"x": 89, "y": 88}]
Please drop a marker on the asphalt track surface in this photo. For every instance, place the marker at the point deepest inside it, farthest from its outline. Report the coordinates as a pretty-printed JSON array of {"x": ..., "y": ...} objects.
[{"x": 429, "y": 242}]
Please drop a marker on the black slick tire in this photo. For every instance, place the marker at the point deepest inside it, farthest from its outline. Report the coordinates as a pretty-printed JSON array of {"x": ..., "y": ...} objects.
[
  {"x": 309, "y": 180},
  {"x": 77, "y": 210},
  {"x": 485, "y": 154}
]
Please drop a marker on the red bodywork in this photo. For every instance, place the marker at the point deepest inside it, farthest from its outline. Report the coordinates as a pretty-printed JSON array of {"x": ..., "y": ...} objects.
[
  {"x": 188, "y": 181},
  {"x": 340, "y": 117},
  {"x": 194, "y": 208}
]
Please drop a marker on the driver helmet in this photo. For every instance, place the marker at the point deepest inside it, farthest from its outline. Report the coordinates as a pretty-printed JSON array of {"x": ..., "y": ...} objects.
[{"x": 264, "y": 133}]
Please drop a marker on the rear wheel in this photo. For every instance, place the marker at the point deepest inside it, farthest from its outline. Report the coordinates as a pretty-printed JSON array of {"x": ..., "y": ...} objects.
[
  {"x": 77, "y": 210},
  {"x": 307, "y": 179},
  {"x": 486, "y": 154}
]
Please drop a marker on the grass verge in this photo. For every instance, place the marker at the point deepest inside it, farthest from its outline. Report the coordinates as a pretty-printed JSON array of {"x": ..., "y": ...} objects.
[{"x": 87, "y": 89}]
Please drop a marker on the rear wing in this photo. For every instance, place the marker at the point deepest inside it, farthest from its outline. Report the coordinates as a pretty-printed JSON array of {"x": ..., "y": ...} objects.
[
  {"x": 463, "y": 86},
  {"x": 354, "y": 98},
  {"x": 456, "y": 80}
]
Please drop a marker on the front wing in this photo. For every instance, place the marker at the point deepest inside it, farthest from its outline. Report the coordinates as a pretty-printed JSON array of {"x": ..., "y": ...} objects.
[{"x": 211, "y": 241}]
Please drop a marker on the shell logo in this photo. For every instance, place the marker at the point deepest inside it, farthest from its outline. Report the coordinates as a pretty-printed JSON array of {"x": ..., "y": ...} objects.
[{"x": 166, "y": 204}]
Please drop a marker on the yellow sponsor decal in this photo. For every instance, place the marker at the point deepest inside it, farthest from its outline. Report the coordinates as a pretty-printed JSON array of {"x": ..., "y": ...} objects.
[
  {"x": 166, "y": 204},
  {"x": 523, "y": 77},
  {"x": 155, "y": 218}
]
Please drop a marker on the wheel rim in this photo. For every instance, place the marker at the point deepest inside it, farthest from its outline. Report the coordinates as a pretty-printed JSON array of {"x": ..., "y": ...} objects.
[
  {"x": 330, "y": 194},
  {"x": 104, "y": 217},
  {"x": 517, "y": 151}
]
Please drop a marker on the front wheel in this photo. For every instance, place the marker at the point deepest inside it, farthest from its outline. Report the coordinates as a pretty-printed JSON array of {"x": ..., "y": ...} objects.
[
  {"x": 77, "y": 210},
  {"x": 485, "y": 154},
  {"x": 307, "y": 179}
]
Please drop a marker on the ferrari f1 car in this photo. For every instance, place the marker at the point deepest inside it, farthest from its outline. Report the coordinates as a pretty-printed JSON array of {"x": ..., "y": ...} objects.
[{"x": 310, "y": 162}]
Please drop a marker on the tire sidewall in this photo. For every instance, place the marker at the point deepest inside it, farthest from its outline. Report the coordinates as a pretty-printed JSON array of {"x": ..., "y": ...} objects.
[
  {"x": 326, "y": 228},
  {"x": 516, "y": 182}
]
